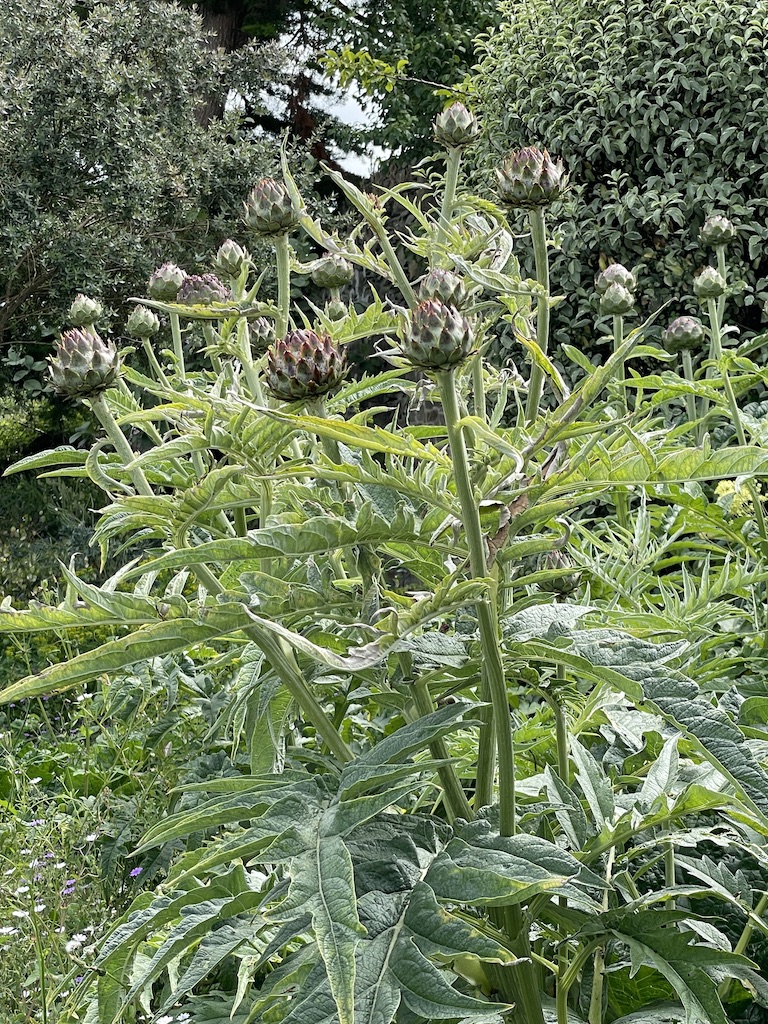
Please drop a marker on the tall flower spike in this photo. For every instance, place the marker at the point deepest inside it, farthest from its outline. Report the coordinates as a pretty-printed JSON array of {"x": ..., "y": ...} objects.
[
  {"x": 304, "y": 365},
  {"x": 438, "y": 337},
  {"x": 529, "y": 178},
  {"x": 83, "y": 365},
  {"x": 269, "y": 210},
  {"x": 456, "y": 127}
]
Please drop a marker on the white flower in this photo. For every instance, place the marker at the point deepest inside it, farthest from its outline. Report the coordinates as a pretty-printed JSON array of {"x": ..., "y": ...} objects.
[
  {"x": 19, "y": 913},
  {"x": 21, "y": 890}
]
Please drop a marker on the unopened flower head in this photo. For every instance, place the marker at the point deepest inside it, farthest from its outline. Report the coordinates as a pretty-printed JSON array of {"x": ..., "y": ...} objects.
[
  {"x": 269, "y": 210},
  {"x": 456, "y": 127},
  {"x": 83, "y": 365},
  {"x": 85, "y": 311},
  {"x": 529, "y": 178},
  {"x": 165, "y": 282}
]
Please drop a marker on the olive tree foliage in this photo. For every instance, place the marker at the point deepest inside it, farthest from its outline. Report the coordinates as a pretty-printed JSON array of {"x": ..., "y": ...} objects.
[
  {"x": 104, "y": 168},
  {"x": 658, "y": 110}
]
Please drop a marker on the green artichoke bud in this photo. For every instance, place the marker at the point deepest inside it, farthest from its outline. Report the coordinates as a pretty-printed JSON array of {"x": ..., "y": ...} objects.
[
  {"x": 456, "y": 127},
  {"x": 717, "y": 230},
  {"x": 439, "y": 337},
  {"x": 336, "y": 309},
  {"x": 142, "y": 323},
  {"x": 202, "y": 290},
  {"x": 684, "y": 334},
  {"x": 83, "y": 365},
  {"x": 165, "y": 282},
  {"x": 304, "y": 365},
  {"x": 616, "y": 300},
  {"x": 332, "y": 272},
  {"x": 84, "y": 311},
  {"x": 269, "y": 210},
  {"x": 615, "y": 274},
  {"x": 569, "y": 578},
  {"x": 230, "y": 258},
  {"x": 710, "y": 284},
  {"x": 262, "y": 334},
  {"x": 445, "y": 286},
  {"x": 529, "y": 178}
]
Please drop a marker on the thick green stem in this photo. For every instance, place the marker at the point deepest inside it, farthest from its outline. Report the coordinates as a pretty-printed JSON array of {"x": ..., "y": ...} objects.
[
  {"x": 478, "y": 388},
  {"x": 283, "y": 255},
  {"x": 690, "y": 400},
  {"x": 541, "y": 258},
  {"x": 178, "y": 345},
  {"x": 453, "y": 162},
  {"x": 596, "y": 1000},
  {"x": 618, "y": 341},
  {"x": 146, "y": 344},
  {"x": 669, "y": 869},
  {"x": 455, "y": 797},
  {"x": 724, "y": 989},
  {"x": 722, "y": 269},
  {"x": 120, "y": 443},
  {"x": 520, "y": 981}
]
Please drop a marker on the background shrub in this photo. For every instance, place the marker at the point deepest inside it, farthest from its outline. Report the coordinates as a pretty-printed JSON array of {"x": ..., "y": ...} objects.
[{"x": 658, "y": 110}]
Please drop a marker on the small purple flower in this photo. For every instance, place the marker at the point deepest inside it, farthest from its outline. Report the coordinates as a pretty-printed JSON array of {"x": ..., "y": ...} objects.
[{"x": 135, "y": 872}]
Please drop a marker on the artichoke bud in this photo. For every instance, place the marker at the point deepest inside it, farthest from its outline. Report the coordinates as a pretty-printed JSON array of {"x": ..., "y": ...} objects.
[
  {"x": 717, "y": 230},
  {"x": 530, "y": 178},
  {"x": 304, "y": 365},
  {"x": 83, "y": 365},
  {"x": 165, "y": 282},
  {"x": 710, "y": 284},
  {"x": 262, "y": 334},
  {"x": 569, "y": 579},
  {"x": 336, "y": 309},
  {"x": 142, "y": 323},
  {"x": 84, "y": 311},
  {"x": 229, "y": 259},
  {"x": 332, "y": 272},
  {"x": 616, "y": 273},
  {"x": 438, "y": 336},
  {"x": 202, "y": 290},
  {"x": 445, "y": 286},
  {"x": 616, "y": 300},
  {"x": 456, "y": 127},
  {"x": 269, "y": 210},
  {"x": 683, "y": 335}
]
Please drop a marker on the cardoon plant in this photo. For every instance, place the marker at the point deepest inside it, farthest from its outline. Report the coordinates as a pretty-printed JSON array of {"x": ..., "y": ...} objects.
[{"x": 429, "y": 810}]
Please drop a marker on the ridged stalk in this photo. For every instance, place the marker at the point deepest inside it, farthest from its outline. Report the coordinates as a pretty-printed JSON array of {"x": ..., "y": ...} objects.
[
  {"x": 725, "y": 987},
  {"x": 283, "y": 257},
  {"x": 690, "y": 400},
  {"x": 452, "y": 165},
  {"x": 178, "y": 345},
  {"x": 455, "y": 797},
  {"x": 541, "y": 259},
  {"x": 521, "y": 981}
]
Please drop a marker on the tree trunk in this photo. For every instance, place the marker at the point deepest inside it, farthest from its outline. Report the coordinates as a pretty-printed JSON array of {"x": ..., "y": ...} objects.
[{"x": 223, "y": 27}]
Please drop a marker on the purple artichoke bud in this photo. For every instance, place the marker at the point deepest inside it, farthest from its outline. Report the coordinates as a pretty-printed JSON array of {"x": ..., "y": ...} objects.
[
  {"x": 717, "y": 230},
  {"x": 262, "y": 334},
  {"x": 269, "y": 210},
  {"x": 304, "y": 365},
  {"x": 529, "y": 178},
  {"x": 332, "y": 272},
  {"x": 202, "y": 290},
  {"x": 84, "y": 311},
  {"x": 445, "y": 286},
  {"x": 230, "y": 258},
  {"x": 165, "y": 282},
  {"x": 616, "y": 300},
  {"x": 83, "y": 365},
  {"x": 615, "y": 274},
  {"x": 456, "y": 127},
  {"x": 439, "y": 336},
  {"x": 142, "y": 323},
  {"x": 684, "y": 334},
  {"x": 710, "y": 284}
]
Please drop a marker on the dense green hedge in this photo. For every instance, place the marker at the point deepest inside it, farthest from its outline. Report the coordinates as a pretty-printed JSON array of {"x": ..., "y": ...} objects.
[{"x": 658, "y": 110}]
